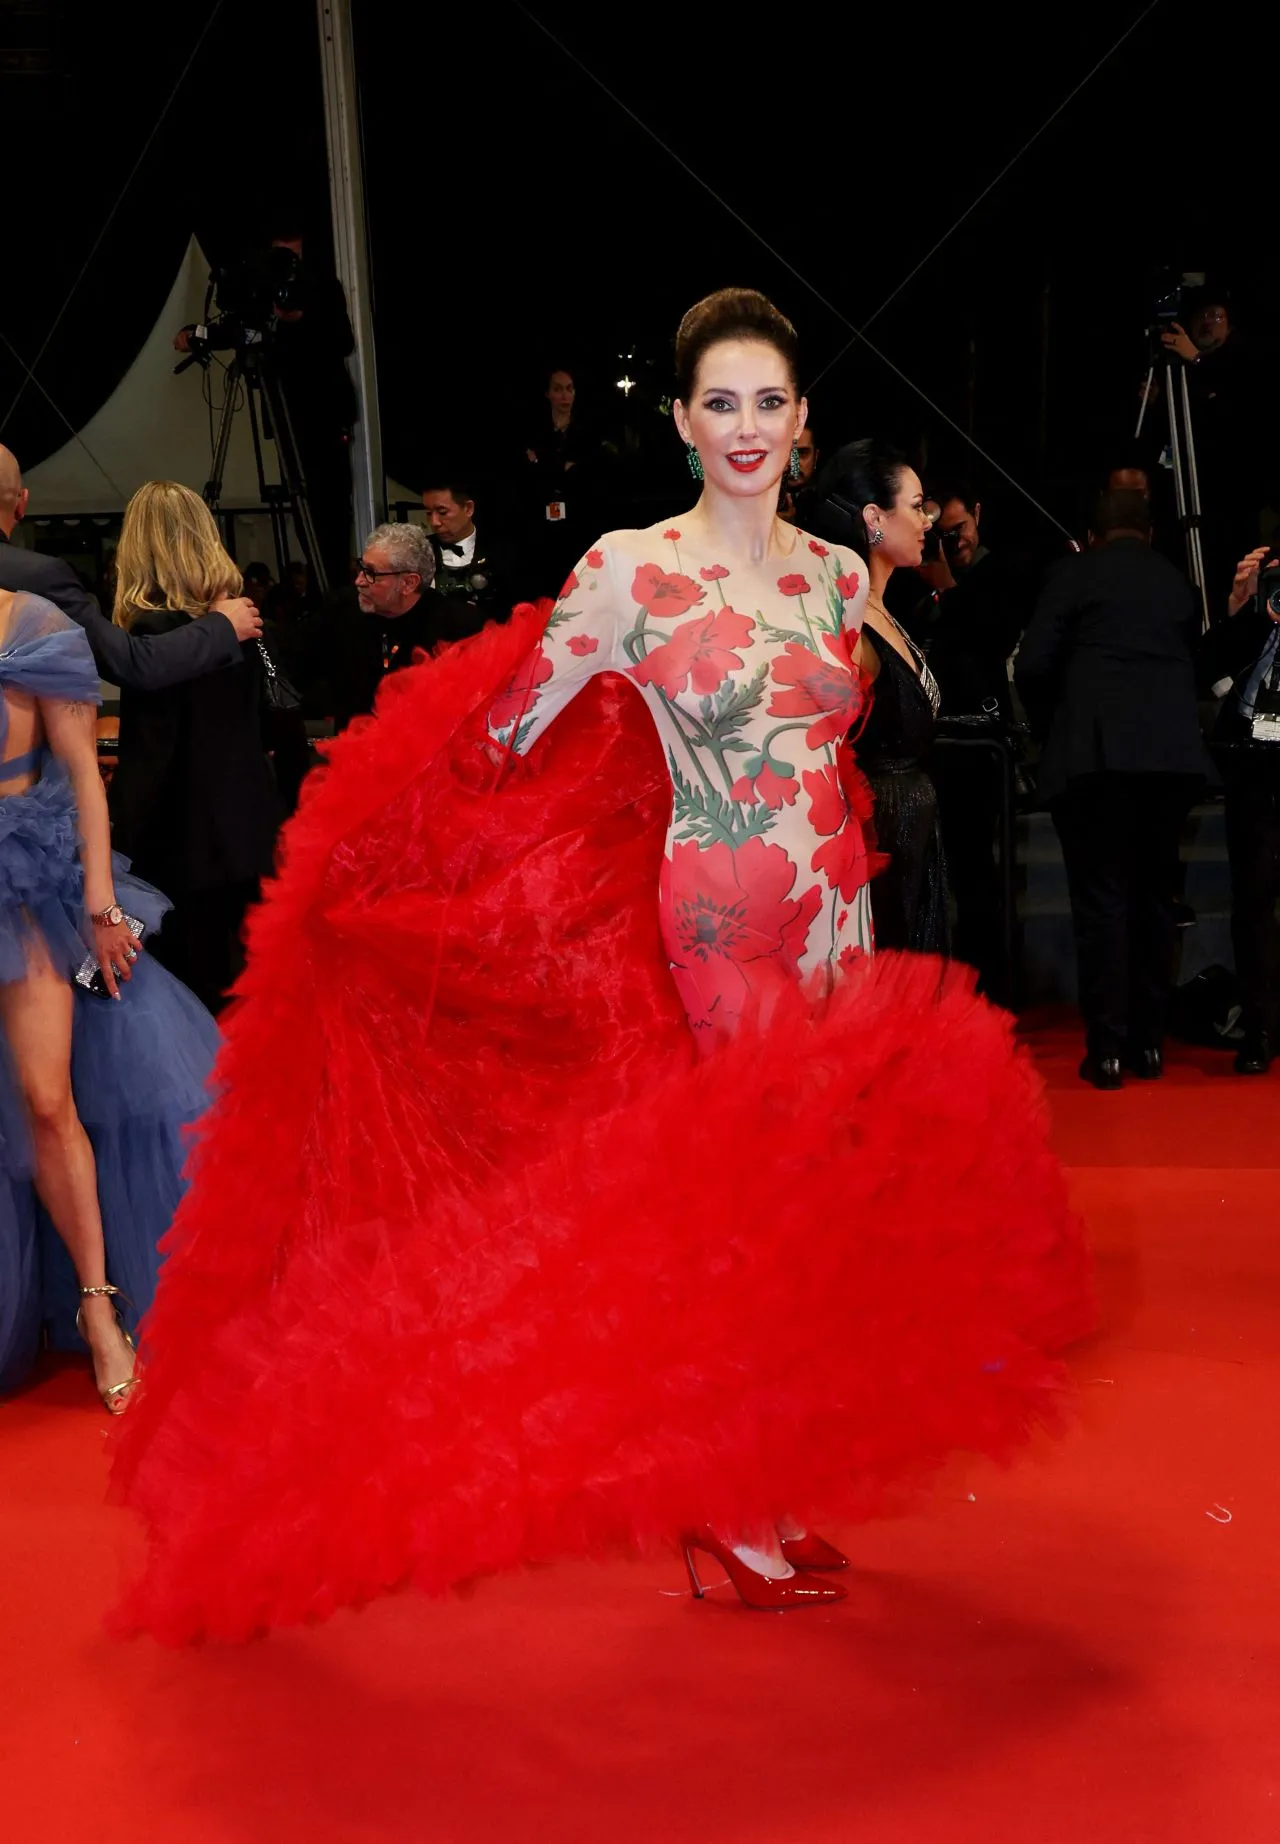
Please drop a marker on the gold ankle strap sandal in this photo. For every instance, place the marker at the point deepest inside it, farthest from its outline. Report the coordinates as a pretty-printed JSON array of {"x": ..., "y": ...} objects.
[{"x": 113, "y": 1393}]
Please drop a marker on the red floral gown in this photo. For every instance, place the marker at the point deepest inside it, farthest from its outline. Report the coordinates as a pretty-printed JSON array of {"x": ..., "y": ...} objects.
[
  {"x": 482, "y": 1263},
  {"x": 748, "y": 676}
]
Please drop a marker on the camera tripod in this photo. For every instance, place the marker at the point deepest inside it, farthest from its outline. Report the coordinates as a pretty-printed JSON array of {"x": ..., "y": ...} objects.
[
  {"x": 1186, "y": 479},
  {"x": 252, "y": 373}
]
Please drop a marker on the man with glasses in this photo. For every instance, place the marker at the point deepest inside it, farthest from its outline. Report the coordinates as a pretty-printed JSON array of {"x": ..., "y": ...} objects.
[{"x": 375, "y": 626}]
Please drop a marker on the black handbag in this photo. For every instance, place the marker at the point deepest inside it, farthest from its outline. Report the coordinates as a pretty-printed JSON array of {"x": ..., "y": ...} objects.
[{"x": 279, "y": 694}]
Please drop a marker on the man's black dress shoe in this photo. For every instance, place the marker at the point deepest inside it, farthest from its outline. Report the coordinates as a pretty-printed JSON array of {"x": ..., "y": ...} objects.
[
  {"x": 1254, "y": 1056},
  {"x": 1148, "y": 1062},
  {"x": 1102, "y": 1071}
]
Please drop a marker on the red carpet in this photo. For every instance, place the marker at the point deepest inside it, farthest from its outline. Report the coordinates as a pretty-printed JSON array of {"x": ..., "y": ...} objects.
[{"x": 1083, "y": 1651}]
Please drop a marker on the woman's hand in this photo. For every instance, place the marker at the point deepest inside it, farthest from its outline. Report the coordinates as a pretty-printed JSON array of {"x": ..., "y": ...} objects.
[
  {"x": 116, "y": 950},
  {"x": 1246, "y": 580}
]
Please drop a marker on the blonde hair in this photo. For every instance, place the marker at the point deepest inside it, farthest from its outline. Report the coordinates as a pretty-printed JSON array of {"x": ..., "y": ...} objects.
[{"x": 169, "y": 555}]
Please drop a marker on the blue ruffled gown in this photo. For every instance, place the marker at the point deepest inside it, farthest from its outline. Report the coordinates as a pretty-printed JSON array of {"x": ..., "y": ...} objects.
[{"x": 140, "y": 1068}]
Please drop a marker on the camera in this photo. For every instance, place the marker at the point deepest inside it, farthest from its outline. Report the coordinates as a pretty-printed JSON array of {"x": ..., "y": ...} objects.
[
  {"x": 1266, "y": 595},
  {"x": 251, "y": 289},
  {"x": 1172, "y": 298}
]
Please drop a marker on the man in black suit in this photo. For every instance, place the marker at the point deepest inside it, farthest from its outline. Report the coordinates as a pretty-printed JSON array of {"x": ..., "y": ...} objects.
[
  {"x": 473, "y": 573},
  {"x": 389, "y": 618},
  {"x": 1106, "y": 673},
  {"x": 147, "y": 663}
]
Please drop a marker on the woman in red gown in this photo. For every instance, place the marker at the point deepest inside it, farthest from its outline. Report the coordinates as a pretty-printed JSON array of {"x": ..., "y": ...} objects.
[{"x": 578, "y": 1176}]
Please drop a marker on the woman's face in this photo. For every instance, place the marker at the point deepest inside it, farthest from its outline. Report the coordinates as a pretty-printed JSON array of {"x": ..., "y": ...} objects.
[
  {"x": 903, "y": 525},
  {"x": 561, "y": 391},
  {"x": 742, "y": 416}
]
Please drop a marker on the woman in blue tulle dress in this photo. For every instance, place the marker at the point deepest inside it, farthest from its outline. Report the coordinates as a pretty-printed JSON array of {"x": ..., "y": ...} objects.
[{"x": 96, "y": 1087}]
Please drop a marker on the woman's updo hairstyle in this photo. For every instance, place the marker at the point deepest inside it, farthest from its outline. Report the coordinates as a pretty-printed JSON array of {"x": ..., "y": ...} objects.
[
  {"x": 857, "y": 475},
  {"x": 732, "y": 313}
]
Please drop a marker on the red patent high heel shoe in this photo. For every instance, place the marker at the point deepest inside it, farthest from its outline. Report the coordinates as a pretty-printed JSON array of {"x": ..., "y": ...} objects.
[
  {"x": 813, "y": 1552},
  {"x": 762, "y": 1592}
]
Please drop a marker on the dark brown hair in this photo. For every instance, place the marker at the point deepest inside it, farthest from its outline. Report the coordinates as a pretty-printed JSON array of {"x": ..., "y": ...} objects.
[{"x": 732, "y": 313}]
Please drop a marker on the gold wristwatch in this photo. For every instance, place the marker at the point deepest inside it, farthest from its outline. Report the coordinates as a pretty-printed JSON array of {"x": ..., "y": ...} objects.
[{"x": 110, "y": 917}]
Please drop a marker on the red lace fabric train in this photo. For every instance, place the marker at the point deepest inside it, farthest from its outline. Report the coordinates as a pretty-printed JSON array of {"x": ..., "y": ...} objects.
[{"x": 482, "y": 1265}]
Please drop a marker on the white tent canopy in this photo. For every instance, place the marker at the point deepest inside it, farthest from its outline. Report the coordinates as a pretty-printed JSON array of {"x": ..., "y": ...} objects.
[
  {"x": 157, "y": 427},
  {"x": 153, "y": 426}
]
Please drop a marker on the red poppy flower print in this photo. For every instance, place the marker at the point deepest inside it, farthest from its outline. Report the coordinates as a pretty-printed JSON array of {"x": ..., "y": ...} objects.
[
  {"x": 715, "y": 573},
  {"x": 571, "y": 584},
  {"x": 851, "y": 954},
  {"x": 733, "y": 929},
  {"x": 582, "y": 644},
  {"x": 842, "y": 859},
  {"x": 765, "y": 784},
  {"x": 595, "y": 560},
  {"x": 795, "y": 934},
  {"x": 522, "y": 693},
  {"x": 701, "y": 650},
  {"x": 848, "y": 586},
  {"x": 664, "y": 593},
  {"x": 814, "y": 689},
  {"x": 793, "y": 585},
  {"x": 819, "y": 550},
  {"x": 672, "y": 536}
]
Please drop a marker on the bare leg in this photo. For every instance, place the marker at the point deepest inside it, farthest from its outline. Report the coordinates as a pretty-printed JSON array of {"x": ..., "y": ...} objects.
[{"x": 35, "y": 1014}]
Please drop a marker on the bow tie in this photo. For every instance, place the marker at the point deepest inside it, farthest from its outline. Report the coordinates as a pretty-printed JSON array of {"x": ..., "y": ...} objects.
[{"x": 453, "y": 547}]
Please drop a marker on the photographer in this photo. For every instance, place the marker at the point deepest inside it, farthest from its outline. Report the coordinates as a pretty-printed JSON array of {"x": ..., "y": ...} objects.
[
  {"x": 1240, "y": 658},
  {"x": 296, "y": 316},
  {"x": 1223, "y": 385}
]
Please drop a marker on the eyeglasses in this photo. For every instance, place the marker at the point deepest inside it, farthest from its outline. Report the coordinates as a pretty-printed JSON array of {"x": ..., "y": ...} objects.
[{"x": 371, "y": 575}]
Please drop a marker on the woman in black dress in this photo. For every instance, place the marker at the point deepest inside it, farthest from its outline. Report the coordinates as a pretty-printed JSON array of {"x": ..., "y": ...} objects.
[
  {"x": 869, "y": 497},
  {"x": 193, "y": 800}
]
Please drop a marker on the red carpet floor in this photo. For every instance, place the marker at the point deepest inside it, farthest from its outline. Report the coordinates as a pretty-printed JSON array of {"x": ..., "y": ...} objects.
[{"x": 1085, "y": 1650}]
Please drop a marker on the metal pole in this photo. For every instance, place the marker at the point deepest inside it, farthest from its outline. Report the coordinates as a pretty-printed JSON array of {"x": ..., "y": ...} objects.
[{"x": 351, "y": 253}]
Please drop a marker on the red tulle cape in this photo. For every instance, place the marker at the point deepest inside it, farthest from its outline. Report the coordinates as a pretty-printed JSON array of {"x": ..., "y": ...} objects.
[{"x": 482, "y": 1265}]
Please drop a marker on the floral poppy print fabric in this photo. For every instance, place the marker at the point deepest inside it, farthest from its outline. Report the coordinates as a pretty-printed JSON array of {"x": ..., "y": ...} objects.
[{"x": 749, "y": 678}]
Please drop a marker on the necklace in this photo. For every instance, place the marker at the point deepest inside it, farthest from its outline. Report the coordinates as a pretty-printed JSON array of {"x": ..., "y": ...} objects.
[{"x": 928, "y": 684}]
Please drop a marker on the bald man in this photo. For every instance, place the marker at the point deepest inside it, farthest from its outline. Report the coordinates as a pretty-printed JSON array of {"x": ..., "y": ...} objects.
[{"x": 148, "y": 663}]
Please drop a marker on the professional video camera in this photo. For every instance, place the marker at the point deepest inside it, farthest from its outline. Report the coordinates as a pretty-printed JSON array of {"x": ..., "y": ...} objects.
[
  {"x": 251, "y": 289},
  {"x": 250, "y": 294},
  {"x": 1172, "y": 292}
]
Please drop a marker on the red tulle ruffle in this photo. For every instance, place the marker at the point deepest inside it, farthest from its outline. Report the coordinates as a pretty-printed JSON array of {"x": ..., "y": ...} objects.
[{"x": 482, "y": 1266}]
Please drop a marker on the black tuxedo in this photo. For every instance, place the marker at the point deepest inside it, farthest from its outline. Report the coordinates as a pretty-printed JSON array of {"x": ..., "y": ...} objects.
[
  {"x": 1106, "y": 673},
  {"x": 193, "y": 804},
  {"x": 487, "y": 584},
  {"x": 147, "y": 662}
]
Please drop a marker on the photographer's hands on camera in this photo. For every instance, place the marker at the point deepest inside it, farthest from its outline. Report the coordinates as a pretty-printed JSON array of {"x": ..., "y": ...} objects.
[
  {"x": 1176, "y": 339},
  {"x": 1245, "y": 586}
]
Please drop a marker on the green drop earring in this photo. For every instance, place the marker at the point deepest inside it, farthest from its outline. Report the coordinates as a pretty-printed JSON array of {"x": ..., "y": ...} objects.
[
  {"x": 694, "y": 459},
  {"x": 795, "y": 461}
]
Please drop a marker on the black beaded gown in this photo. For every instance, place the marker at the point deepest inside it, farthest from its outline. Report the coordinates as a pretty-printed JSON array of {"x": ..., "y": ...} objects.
[{"x": 909, "y": 901}]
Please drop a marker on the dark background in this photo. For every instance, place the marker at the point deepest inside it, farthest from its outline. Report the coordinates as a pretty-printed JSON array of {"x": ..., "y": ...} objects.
[{"x": 519, "y": 219}]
